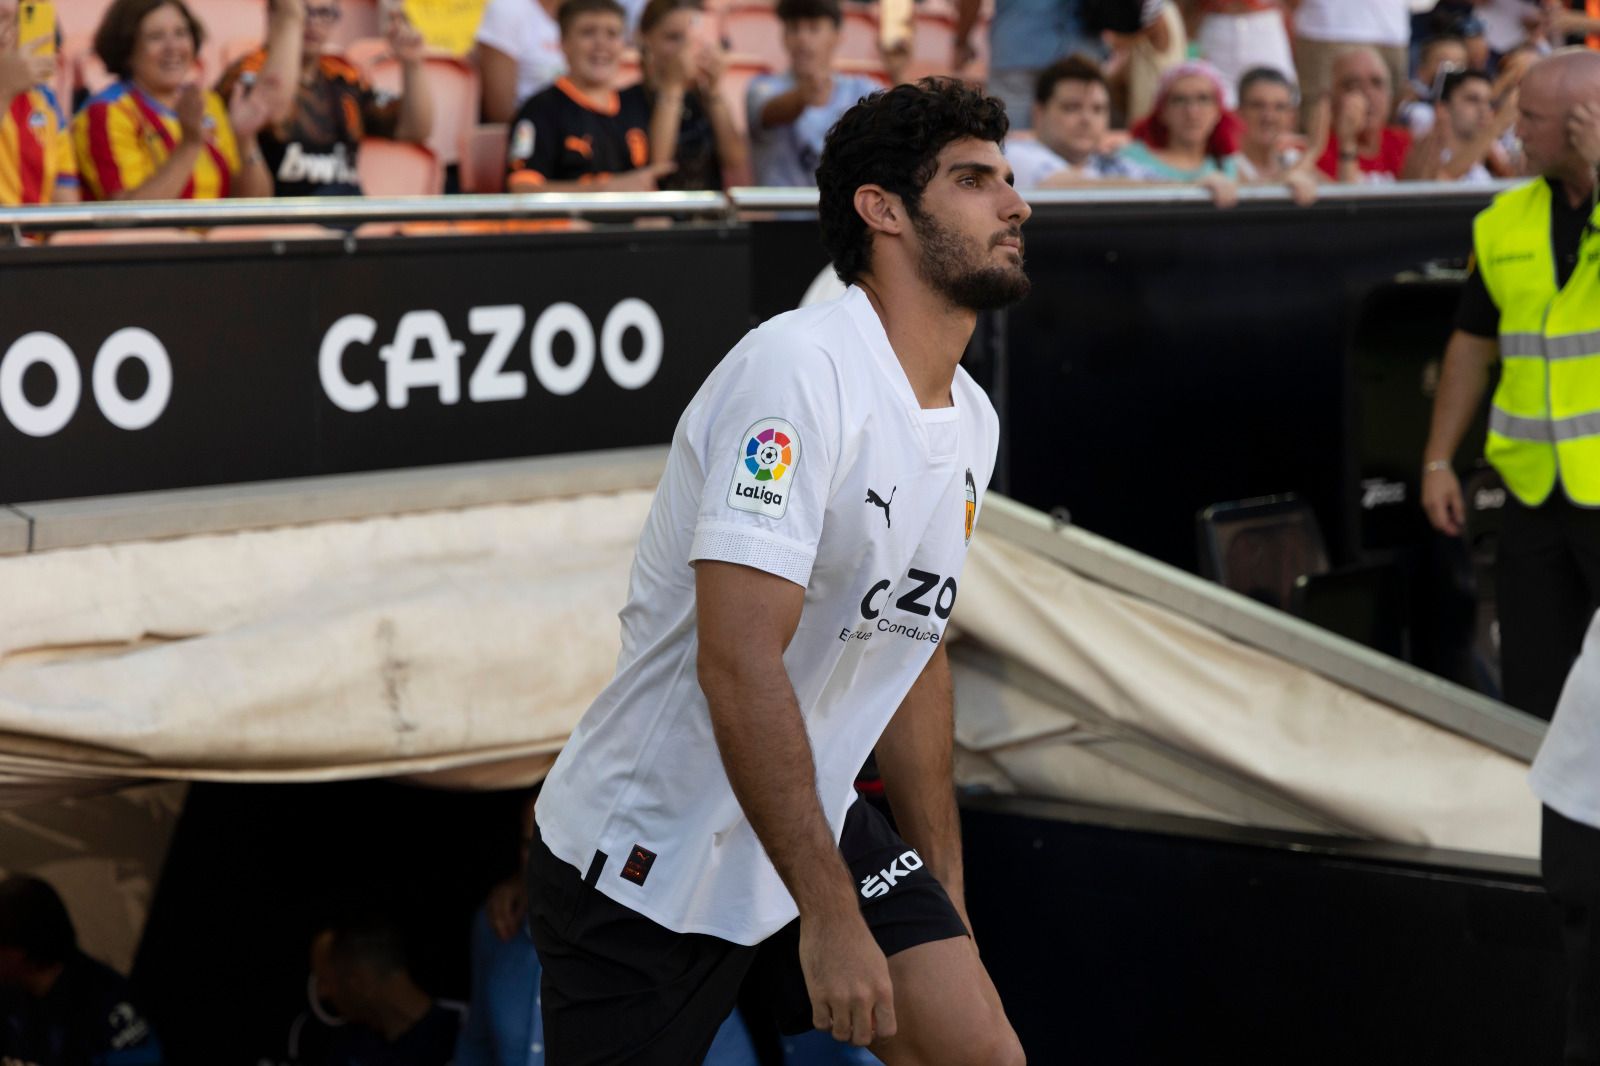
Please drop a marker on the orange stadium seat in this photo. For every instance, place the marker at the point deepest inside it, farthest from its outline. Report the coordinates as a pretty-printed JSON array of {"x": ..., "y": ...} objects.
[
  {"x": 483, "y": 158},
  {"x": 87, "y": 72},
  {"x": 858, "y": 36},
  {"x": 736, "y": 78},
  {"x": 153, "y": 235},
  {"x": 454, "y": 85},
  {"x": 755, "y": 32},
  {"x": 359, "y": 19},
  {"x": 395, "y": 168},
  {"x": 282, "y": 231},
  {"x": 225, "y": 21},
  {"x": 364, "y": 53}
]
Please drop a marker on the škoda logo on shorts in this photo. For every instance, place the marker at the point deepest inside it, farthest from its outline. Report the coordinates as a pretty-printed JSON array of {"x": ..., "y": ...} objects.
[{"x": 881, "y": 882}]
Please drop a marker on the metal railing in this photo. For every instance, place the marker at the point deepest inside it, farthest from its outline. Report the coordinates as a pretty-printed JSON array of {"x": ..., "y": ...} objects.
[{"x": 732, "y": 206}]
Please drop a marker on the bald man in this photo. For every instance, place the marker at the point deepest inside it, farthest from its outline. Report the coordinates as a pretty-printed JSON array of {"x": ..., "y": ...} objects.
[
  {"x": 1532, "y": 301},
  {"x": 1362, "y": 146}
]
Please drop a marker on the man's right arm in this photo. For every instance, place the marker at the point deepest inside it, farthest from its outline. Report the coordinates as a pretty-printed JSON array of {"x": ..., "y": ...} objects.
[
  {"x": 746, "y": 618},
  {"x": 1462, "y": 382}
]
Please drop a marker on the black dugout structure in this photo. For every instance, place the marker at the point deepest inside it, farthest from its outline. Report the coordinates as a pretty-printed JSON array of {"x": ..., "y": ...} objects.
[{"x": 1171, "y": 356}]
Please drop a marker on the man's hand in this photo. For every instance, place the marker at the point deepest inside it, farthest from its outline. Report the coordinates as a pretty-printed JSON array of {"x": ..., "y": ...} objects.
[
  {"x": 709, "y": 65},
  {"x": 847, "y": 978},
  {"x": 678, "y": 71},
  {"x": 1303, "y": 187},
  {"x": 1442, "y": 500},
  {"x": 405, "y": 40},
  {"x": 1224, "y": 190},
  {"x": 191, "y": 111},
  {"x": 1583, "y": 130},
  {"x": 1351, "y": 120},
  {"x": 645, "y": 179},
  {"x": 247, "y": 112},
  {"x": 895, "y": 59},
  {"x": 507, "y": 907},
  {"x": 21, "y": 71}
]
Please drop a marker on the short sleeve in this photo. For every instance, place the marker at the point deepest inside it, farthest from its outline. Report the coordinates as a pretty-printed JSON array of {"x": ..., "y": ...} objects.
[
  {"x": 762, "y": 91},
  {"x": 534, "y": 151},
  {"x": 1476, "y": 314},
  {"x": 110, "y": 155},
  {"x": 501, "y": 26},
  {"x": 767, "y": 437}
]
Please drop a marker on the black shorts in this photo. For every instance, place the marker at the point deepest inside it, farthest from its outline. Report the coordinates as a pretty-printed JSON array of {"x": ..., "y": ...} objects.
[{"x": 618, "y": 988}]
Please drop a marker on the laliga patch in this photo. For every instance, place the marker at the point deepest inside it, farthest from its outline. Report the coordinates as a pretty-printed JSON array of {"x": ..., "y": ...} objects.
[
  {"x": 522, "y": 140},
  {"x": 637, "y": 868},
  {"x": 764, "y": 473}
]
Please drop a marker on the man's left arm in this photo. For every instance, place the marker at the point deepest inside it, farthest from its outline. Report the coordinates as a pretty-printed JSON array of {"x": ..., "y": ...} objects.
[{"x": 915, "y": 760}]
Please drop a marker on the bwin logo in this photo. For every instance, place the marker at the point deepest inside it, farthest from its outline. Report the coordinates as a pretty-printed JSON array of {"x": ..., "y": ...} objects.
[
  {"x": 757, "y": 493},
  {"x": 881, "y": 882}
]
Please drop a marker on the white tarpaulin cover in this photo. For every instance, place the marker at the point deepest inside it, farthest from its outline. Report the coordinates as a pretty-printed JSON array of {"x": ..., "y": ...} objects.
[{"x": 466, "y": 643}]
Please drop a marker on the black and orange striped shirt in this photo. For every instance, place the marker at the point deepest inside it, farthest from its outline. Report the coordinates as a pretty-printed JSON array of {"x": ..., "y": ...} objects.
[
  {"x": 562, "y": 135},
  {"x": 315, "y": 152}
]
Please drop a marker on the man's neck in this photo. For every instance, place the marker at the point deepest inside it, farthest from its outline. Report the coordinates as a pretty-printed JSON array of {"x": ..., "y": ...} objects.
[
  {"x": 1577, "y": 184},
  {"x": 927, "y": 333}
]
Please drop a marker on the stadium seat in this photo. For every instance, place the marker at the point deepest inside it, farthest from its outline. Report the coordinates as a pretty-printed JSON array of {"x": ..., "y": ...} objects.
[
  {"x": 365, "y": 52},
  {"x": 87, "y": 72},
  {"x": 736, "y": 77},
  {"x": 858, "y": 37},
  {"x": 237, "y": 49},
  {"x": 755, "y": 32},
  {"x": 483, "y": 158},
  {"x": 454, "y": 85},
  {"x": 225, "y": 21},
  {"x": 80, "y": 17},
  {"x": 360, "y": 19},
  {"x": 283, "y": 231},
  {"x": 153, "y": 235},
  {"x": 395, "y": 168},
  {"x": 871, "y": 68}
]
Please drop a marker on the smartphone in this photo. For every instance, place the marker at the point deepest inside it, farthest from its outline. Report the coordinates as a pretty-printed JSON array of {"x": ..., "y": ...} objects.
[
  {"x": 894, "y": 23},
  {"x": 36, "y": 22}
]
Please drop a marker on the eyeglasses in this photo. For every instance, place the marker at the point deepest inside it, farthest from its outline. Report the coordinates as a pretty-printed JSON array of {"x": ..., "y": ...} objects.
[
  {"x": 323, "y": 13},
  {"x": 1195, "y": 100}
]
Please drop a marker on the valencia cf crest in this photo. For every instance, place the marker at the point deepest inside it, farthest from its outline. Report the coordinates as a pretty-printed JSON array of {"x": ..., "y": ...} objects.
[{"x": 972, "y": 505}]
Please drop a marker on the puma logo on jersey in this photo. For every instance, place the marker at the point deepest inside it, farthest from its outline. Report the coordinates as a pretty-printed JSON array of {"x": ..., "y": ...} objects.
[
  {"x": 878, "y": 501},
  {"x": 881, "y": 882}
]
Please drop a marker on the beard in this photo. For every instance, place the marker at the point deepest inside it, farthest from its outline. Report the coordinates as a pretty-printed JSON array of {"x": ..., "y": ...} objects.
[{"x": 953, "y": 266}]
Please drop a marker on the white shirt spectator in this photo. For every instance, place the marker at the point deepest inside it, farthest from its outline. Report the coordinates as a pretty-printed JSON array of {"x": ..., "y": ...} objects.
[
  {"x": 1380, "y": 22},
  {"x": 1503, "y": 28},
  {"x": 788, "y": 155},
  {"x": 1564, "y": 774},
  {"x": 1031, "y": 163},
  {"x": 523, "y": 30}
]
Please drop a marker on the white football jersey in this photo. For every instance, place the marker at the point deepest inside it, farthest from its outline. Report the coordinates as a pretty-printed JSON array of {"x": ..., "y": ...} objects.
[{"x": 805, "y": 454}]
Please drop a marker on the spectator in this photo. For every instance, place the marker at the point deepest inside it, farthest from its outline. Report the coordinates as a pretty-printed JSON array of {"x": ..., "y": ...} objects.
[
  {"x": 1270, "y": 152},
  {"x": 518, "y": 53},
  {"x": 1240, "y": 35},
  {"x": 1325, "y": 28},
  {"x": 1576, "y": 22},
  {"x": 155, "y": 134},
  {"x": 1458, "y": 19},
  {"x": 1138, "y": 60},
  {"x": 690, "y": 121},
  {"x": 1508, "y": 24},
  {"x": 360, "y": 969},
  {"x": 58, "y": 1005},
  {"x": 1025, "y": 36},
  {"x": 1466, "y": 131},
  {"x": 1438, "y": 57},
  {"x": 1189, "y": 136},
  {"x": 581, "y": 134},
  {"x": 1071, "y": 116},
  {"x": 790, "y": 114},
  {"x": 36, "y": 161},
  {"x": 311, "y": 145},
  {"x": 1362, "y": 146}
]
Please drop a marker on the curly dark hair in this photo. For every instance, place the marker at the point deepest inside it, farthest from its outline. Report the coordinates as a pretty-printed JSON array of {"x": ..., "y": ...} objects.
[
  {"x": 893, "y": 139},
  {"x": 118, "y": 32}
]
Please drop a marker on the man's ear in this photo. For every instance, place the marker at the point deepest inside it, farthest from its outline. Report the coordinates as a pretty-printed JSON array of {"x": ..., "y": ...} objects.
[{"x": 880, "y": 209}]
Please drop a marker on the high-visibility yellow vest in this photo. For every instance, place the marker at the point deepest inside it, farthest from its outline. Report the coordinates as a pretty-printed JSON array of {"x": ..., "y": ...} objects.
[{"x": 1544, "y": 424}]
